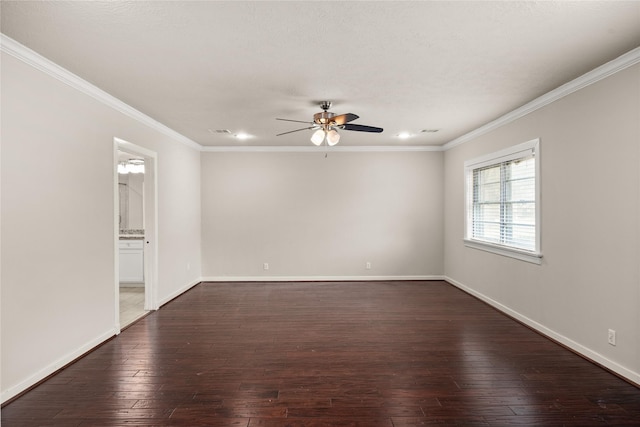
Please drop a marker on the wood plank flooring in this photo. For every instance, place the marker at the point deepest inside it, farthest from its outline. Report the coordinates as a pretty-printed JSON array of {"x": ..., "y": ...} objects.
[{"x": 371, "y": 354}]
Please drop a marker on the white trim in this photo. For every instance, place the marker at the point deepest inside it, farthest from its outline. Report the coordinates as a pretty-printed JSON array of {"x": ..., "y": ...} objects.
[
  {"x": 151, "y": 271},
  {"x": 179, "y": 292},
  {"x": 573, "y": 345},
  {"x": 312, "y": 149},
  {"x": 23, "y": 53},
  {"x": 135, "y": 149},
  {"x": 34, "y": 59},
  {"x": 624, "y": 61},
  {"x": 70, "y": 357},
  {"x": 532, "y": 257},
  {"x": 151, "y": 232},
  {"x": 315, "y": 278},
  {"x": 39, "y": 62},
  {"x": 504, "y": 155},
  {"x": 524, "y": 149},
  {"x": 116, "y": 237},
  {"x": 53, "y": 367}
]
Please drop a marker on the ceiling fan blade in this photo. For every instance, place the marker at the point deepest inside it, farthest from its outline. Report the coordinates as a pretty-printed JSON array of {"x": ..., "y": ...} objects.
[
  {"x": 297, "y": 130},
  {"x": 361, "y": 128},
  {"x": 289, "y": 120},
  {"x": 344, "y": 118}
]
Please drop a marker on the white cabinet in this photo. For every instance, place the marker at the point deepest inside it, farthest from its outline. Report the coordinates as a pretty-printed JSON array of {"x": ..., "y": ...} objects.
[{"x": 131, "y": 261}]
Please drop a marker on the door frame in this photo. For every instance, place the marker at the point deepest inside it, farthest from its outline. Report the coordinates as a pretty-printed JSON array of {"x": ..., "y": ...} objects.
[{"x": 150, "y": 209}]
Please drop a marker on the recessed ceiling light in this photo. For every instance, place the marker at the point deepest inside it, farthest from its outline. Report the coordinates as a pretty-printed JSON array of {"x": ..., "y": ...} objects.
[
  {"x": 404, "y": 135},
  {"x": 242, "y": 136}
]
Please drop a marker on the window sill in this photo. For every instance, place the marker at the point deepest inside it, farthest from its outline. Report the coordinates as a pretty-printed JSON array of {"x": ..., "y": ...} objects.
[{"x": 532, "y": 257}]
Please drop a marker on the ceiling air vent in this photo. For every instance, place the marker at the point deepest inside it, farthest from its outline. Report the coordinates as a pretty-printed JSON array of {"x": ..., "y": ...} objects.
[
  {"x": 220, "y": 131},
  {"x": 429, "y": 130}
]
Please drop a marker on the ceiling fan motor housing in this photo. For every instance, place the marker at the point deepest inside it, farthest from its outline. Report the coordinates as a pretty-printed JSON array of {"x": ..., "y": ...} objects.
[{"x": 323, "y": 118}]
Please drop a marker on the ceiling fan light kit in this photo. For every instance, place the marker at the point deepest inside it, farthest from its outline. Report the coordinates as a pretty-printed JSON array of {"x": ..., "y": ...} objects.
[
  {"x": 318, "y": 137},
  {"x": 333, "y": 137},
  {"x": 326, "y": 125}
]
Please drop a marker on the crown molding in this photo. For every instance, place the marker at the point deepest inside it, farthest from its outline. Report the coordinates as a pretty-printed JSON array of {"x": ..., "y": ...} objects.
[
  {"x": 30, "y": 57},
  {"x": 313, "y": 149},
  {"x": 624, "y": 61},
  {"x": 39, "y": 62}
]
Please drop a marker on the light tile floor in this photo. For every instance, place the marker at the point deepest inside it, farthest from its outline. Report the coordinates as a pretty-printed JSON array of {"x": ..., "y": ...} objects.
[{"x": 131, "y": 305}]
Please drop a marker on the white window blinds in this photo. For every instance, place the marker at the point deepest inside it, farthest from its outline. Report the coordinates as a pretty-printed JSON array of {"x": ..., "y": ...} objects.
[{"x": 502, "y": 193}]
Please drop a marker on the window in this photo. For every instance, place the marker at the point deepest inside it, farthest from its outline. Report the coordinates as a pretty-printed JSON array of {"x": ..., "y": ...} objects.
[{"x": 503, "y": 202}]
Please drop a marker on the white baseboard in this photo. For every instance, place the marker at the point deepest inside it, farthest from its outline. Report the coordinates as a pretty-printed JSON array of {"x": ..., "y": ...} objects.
[
  {"x": 573, "y": 345},
  {"x": 315, "y": 278},
  {"x": 179, "y": 292},
  {"x": 53, "y": 367},
  {"x": 70, "y": 357}
]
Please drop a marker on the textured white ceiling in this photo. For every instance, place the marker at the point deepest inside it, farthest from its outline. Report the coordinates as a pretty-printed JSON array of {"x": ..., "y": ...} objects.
[{"x": 403, "y": 66}]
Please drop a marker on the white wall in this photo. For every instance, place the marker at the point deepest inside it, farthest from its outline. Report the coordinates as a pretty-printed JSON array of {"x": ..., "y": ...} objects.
[
  {"x": 589, "y": 280},
  {"x": 58, "y": 278},
  {"x": 312, "y": 217}
]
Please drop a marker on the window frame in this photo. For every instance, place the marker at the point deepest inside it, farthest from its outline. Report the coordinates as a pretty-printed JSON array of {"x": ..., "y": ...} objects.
[{"x": 496, "y": 159}]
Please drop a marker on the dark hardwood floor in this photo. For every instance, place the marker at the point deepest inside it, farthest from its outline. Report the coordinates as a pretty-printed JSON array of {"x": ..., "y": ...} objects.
[{"x": 375, "y": 354}]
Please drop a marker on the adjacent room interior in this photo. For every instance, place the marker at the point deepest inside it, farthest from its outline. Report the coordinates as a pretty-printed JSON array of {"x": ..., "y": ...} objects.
[{"x": 131, "y": 278}]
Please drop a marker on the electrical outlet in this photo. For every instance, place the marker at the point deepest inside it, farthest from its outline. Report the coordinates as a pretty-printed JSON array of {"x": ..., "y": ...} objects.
[
  {"x": 265, "y": 266},
  {"x": 368, "y": 265},
  {"x": 612, "y": 337}
]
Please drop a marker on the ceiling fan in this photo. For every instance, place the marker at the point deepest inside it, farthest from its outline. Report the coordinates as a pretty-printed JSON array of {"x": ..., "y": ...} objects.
[{"x": 327, "y": 124}]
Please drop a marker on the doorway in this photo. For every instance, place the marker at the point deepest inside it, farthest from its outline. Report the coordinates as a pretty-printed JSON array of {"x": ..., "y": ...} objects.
[{"x": 135, "y": 221}]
